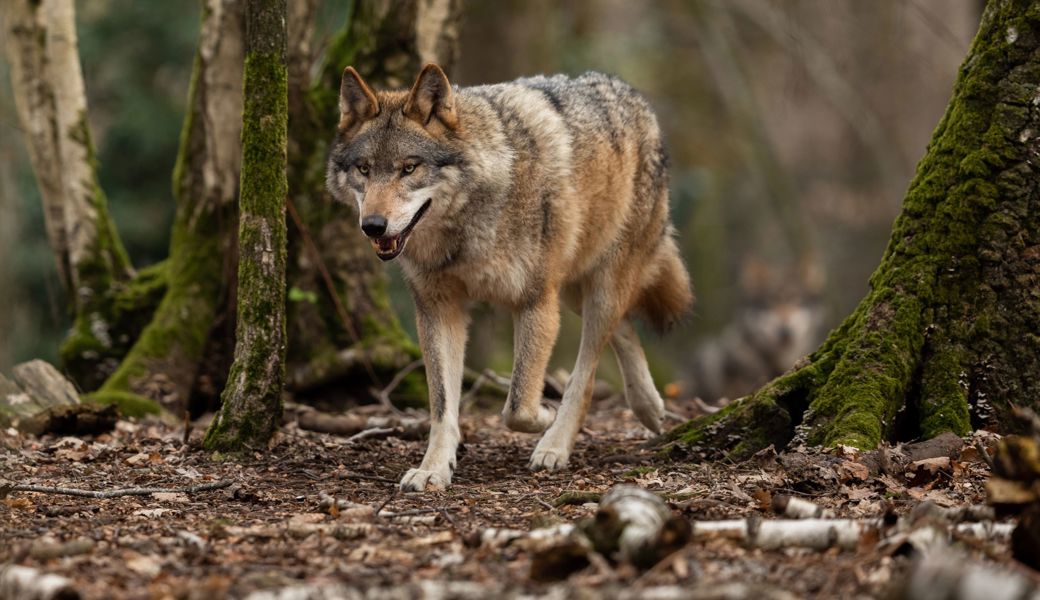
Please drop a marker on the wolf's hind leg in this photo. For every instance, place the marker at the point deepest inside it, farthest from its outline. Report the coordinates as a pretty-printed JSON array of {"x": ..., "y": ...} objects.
[
  {"x": 600, "y": 315},
  {"x": 535, "y": 330},
  {"x": 442, "y": 336},
  {"x": 640, "y": 393}
]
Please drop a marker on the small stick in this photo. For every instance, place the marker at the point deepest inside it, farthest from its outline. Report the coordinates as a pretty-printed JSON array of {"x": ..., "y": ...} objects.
[
  {"x": 984, "y": 454},
  {"x": 384, "y": 395},
  {"x": 370, "y": 433},
  {"x": 360, "y": 477},
  {"x": 392, "y": 495},
  {"x": 473, "y": 389},
  {"x": 141, "y": 491},
  {"x": 413, "y": 512},
  {"x": 187, "y": 428}
]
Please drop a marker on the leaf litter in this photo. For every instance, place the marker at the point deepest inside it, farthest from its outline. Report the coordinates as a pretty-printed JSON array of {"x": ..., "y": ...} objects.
[{"x": 318, "y": 515}]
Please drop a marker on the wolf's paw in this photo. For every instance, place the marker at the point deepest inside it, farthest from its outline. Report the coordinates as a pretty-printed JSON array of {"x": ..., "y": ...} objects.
[
  {"x": 526, "y": 423},
  {"x": 649, "y": 409},
  {"x": 418, "y": 480},
  {"x": 548, "y": 459}
]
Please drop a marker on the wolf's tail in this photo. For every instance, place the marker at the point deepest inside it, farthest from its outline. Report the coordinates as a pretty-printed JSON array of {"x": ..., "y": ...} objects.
[{"x": 667, "y": 298}]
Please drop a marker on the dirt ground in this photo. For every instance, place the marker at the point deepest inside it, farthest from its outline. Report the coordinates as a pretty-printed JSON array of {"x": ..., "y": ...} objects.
[{"x": 270, "y": 528}]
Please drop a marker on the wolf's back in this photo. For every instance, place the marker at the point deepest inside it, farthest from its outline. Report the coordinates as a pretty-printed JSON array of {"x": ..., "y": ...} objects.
[{"x": 589, "y": 174}]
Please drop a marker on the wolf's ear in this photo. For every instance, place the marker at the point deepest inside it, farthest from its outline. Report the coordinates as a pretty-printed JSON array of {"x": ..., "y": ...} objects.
[
  {"x": 357, "y": 103},
  {"x": 431, "y": 97}
]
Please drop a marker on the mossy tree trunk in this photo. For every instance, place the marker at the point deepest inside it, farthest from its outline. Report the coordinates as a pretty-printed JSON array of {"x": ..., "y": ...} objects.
[
  {"x": 947, "y": 338},
  {"x": 94, "y": 270},
  {"x": 159, "y": 339},
  {"x": 251, "y": 405},
  {"x": 341, "y": 325},
  {"x": 162, "y": 365}
]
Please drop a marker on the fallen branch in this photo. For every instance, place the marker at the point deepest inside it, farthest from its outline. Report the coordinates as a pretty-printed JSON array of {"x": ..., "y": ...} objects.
[
  {"x": 383, "y": 395},
  {"x": 821, "y": 534},
  {"x": 26, "y": 583},
  {"x": 139, "y": 491},
  {"x": 818, "y": 534},
  {"x": 948, "y": 576},
  {"x": 41, "y": 550},
  {"x": 411, "y": 428},
  {"x": 577, "y": 497},
  {"x": 370, "y": 433},
  {"x": 638, "y": 525},
  {"x": 793, "y": 507}
]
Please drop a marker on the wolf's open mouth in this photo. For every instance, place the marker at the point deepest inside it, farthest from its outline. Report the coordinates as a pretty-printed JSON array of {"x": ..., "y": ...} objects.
[{"x": 389, "y": 246}]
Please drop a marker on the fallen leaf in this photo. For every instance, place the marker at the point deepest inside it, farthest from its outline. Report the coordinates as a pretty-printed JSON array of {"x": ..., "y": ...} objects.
[
  {"x": 849, "y": 470},
  {"x": 146, "y": 566},
  {"x": 920, "y": 472},
  {"x": 138, "y": 459}
]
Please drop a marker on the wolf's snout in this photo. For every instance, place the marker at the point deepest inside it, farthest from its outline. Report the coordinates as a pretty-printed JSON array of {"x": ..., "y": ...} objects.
[{"x": 373, "y": 225}]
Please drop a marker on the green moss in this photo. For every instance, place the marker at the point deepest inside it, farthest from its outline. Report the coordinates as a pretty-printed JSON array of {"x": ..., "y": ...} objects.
[
  {"x": 944, "y": 400},
  {"x": 736, "y": 432},
  {"x": 130, "y": 405}
]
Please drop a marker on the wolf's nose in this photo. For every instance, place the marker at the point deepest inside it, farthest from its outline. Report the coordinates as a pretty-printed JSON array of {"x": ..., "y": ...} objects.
[{"x": 374, "y": 225}]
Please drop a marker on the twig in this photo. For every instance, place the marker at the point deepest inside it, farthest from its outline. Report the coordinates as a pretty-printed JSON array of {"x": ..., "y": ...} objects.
[
  {"x": 392, "y": 495},
  {"x": 187, "y": 428},
  {"x": 361, "y": 477},
  {"x": 473, "y": 389},
  {"x": 984, "y": 454},
  {"x": 384, "y": 395},
  {"x": 451, "y": 521},
  {"x": 501, "y": 380},
  {"x": 141, "y": 491},
  {"x": 413, "y": 512},
  {"x": 370, "y": 433}
]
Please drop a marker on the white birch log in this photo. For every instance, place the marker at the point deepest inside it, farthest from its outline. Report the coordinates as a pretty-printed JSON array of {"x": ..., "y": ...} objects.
[{"x": 26, "y": 583}]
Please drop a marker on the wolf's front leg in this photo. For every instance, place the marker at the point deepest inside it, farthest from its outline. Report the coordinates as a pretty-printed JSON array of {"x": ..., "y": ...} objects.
[{"x": 442, "y": 336}]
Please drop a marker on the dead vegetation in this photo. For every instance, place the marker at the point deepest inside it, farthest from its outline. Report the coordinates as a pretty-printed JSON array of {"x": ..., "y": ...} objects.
[{"x": 318, "y": 515}]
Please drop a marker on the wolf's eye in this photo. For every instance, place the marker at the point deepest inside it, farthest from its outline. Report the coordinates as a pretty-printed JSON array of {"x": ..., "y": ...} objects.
[
  {"x": 408, "y": 169},
  {"x": 363, "y": 169}
]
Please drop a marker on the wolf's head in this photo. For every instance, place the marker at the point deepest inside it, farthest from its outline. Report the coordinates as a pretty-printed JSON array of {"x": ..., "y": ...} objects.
[{"x": 396, "y": 155}]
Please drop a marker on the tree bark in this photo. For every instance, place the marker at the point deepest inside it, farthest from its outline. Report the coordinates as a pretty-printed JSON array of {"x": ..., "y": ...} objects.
[
  {"x": 947, "y": 338},
  {"x": 94, "y": 270},
  {"x": 341, "y": 325},
  {"x": 251, "y": 406},
  {"x": 162, "y": 323},
  {"x": 163, "y": 363}
]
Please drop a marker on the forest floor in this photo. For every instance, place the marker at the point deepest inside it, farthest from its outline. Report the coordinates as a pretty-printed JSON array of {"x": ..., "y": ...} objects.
[{"x": 272, "y": 527}]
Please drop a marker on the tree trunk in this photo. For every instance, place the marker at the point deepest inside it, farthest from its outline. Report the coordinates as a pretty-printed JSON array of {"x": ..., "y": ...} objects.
[
  {"x": 93, "y": 267},
  {"x": 143, "y": 340},
  {"x": 163, "y": 363},
  {"x": 341, "y": 326},
  {"x": 251, "y": 405},
  {"x": 947, "y": 338}
]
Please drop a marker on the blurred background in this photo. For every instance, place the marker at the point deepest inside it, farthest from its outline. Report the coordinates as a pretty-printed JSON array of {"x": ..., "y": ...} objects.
[{"x": 794, "y": 127}]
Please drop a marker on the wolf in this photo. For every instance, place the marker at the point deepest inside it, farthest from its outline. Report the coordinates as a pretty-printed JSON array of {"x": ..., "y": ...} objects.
[
  {"x": 780, "y": 320},
  {"x": 523, "y": 194}
]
